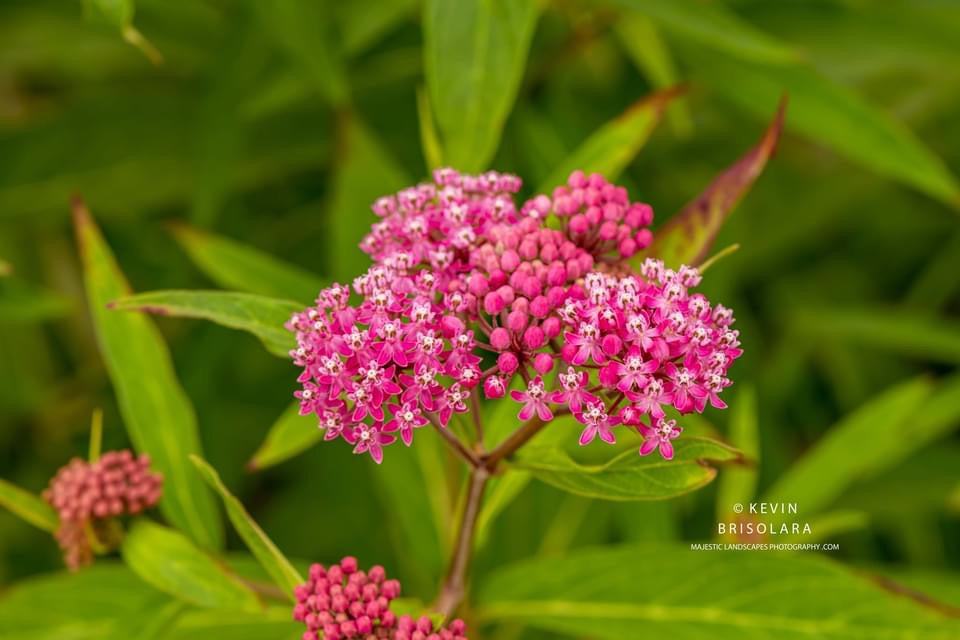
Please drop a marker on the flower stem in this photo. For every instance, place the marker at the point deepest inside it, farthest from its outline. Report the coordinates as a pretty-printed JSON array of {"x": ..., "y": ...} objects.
[{"x": 454, "y": 585}]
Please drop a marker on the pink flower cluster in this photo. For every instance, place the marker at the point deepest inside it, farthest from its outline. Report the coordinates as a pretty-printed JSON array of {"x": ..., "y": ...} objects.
[
  {"x": 344, "y": 603},
  {"x": 86, "y": 494},
  {"x": 545, "y": 291}
]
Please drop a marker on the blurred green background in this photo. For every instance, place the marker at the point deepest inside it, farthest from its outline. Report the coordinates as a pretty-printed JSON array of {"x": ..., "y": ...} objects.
[{"x": 276, "y": 124}]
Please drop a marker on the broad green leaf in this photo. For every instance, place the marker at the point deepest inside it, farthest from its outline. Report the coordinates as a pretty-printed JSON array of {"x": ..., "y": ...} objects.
[
  {"x": 672, "y": 591},
  {"x": 832, "y": 115},
  {"x": 904, "y": 331},
  {"x": 304, "y": 29},
  {"x": 291, "y": 434},
  {"x": 236, "y": 266},
  {"x": 941, "y": 584},
  {"x": 156, "y": 411},
  {"x": 875, "y": 436},
  {"x": 365, "y": 172},
  {"x": 739, "y": 484},
  {"x": 151, "y": 622},
  {"x": 266, "y": 553},
  {"x": 475, "y": 52},
  {"x": 215, "y": 624},
  {"x": 630, "y": 476},
  {"x": 167, "y": 560},
  {"x": 613, "y": 146},
  {"x": 86, "y": 605},
  {"x": 28, "y": 506},
  {"x": 687, "y": 237},
  {"x": 262, "y": 316},
  {"x": 714, "y": 26},
  {"x": 641, "y": 39}
]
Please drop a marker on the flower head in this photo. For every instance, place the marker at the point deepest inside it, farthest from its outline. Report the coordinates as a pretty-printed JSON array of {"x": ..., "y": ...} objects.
[
  {"x": 342, "y": 602},
  {"x": 467, "y": 292},
  {"x": 88, "y": 495}
]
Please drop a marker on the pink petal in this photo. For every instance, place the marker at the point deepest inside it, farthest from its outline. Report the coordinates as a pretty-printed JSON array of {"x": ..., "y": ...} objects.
[
  {"x": 666, "y": 449},
  {"x": 648, "y": 446},
  {"x": 586, "y": 437}
]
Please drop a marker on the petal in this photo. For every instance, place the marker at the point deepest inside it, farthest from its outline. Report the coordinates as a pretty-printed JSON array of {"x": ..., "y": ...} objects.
[
  {"x": 607, "y": 436},
  {"x": 519, "y": 396},
  {"x": 376, "y": 453},
  {"x": 526, "y": 413},
  {"x": 666, "y": 450},
  {"x": 586, "y": 437},
  {"x": 648, "y": 445},
  {"x": 543, "y": 411}
]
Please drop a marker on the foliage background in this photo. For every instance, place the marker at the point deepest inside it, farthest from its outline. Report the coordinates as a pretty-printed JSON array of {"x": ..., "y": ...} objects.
[{"x": 276, "y": 124}]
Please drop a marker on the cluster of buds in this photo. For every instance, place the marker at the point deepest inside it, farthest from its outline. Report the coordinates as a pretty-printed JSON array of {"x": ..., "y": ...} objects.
[
  {"x": 88, "y": 496},
  {"x": 344, "y": 603},
  {"x": 470, "y": 294}
]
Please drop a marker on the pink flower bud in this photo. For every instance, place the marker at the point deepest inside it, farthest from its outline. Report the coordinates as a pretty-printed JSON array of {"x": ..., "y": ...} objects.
[
  {"x": 494, "y": 388},
  {"x": 517, "y": 321},
  {"x": 543, "y": 363},
  {"x": 493, "y": 303},
  {"x": 499, "y": 338},
  {"x": 533, "y": 338},
  {"x": 507, "y": 362}
]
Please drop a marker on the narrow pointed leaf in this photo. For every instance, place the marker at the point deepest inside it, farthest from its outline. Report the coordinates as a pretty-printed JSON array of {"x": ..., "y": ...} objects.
[
  {"x": 263, "y": 549},
  {"x": 156, "y": 411},
  {"x": 714, "y": 26},
  {"x": 914, "y": 334},
  {"x": 832, "y": 115},
  {"x": 304, "y": 29},
  {"x": 875, "y": 436},
  {"x": 739, "y": 485},
  {"x": 613, "y": 146},
  {"x": 28, "y": 506},
  {"x": 365, "y": 172},
  {"x": 671, "y": 591},
  {"x": 167, "y": 560},
  {"x": 475, "y": 52},
  {"x": 263, "y": 317},
  {"x": 234, "y": 265},
  {"x": 630, "y": 476},
  {"x": 687, "y": 237},
  {"x": 291, "y": 434}
]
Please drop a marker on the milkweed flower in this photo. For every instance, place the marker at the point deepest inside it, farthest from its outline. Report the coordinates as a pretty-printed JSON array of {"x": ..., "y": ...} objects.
[
  {"x": 89, "y": 496},
  {"x": 342, "y": 602},
  {"x": 468, "y": 292}
]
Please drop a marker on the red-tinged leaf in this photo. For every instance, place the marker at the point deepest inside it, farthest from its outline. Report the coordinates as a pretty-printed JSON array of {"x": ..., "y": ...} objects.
[{"x": 687, "y": 237}]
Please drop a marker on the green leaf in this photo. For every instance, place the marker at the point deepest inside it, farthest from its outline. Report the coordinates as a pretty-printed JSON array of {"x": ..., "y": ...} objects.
[
  {"x": 641, "y": 39},
  {"x": 266, "y": 553},
  {"x": 363, "y": 22},
  {"x": 832, "y": 115},
  {"x": 366, "y": 172},
  {"x": 687, "y": 237},
  {"x": 217, "y": 624},
  {"x": 613, "y": 146},
  {"x": 630, "y": 476},
  {"x": 501, "y": 491},
  {"x": 86, "y": 605},
  {"x": 119, "y": 15},
  {"x": 263, "y": 317},
  {"x": 872, "y": 438},
  {"x": 167, "y": 560},
  {"x": 739, "y": 484},
  {"x": 28, "y": 506},
  {"x": 154, "y": 620},
  {"x": 474, "y": 56},
  {"x": 303, "y": 28},
  {"x": 904, "y": 331},
  {"x": 156, "y": 411},
  {"x": 24, "y": 304},
  {"x": 671, "y": 591},
  {"x": 714, "y": 26},
  {"x": 236, "y": 266},
  {"x": 291, "y": 434},
  {"x": 429, "y": 138}
]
